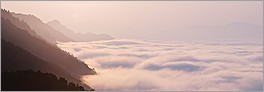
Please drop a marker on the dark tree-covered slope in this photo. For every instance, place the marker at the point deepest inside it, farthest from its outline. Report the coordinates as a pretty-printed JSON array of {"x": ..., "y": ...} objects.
[
  {"x": 14, "y": 58},
  {"x": 28, "y": 80}
]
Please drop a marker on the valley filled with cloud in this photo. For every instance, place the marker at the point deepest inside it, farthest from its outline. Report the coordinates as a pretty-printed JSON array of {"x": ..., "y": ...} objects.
[{"x": 125, "y": 64}]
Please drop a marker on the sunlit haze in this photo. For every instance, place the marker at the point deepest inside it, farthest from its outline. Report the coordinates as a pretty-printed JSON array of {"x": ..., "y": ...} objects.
[
  {"x": 132, "y": 45},
  {"x": 156, "y": 20}
]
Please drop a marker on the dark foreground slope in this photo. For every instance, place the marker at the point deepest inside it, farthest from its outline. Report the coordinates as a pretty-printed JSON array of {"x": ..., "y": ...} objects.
[
  {"x": 14, "y": 58},
  {"x": 36, "y": 53},
  {"x": 28, "y": 80}
]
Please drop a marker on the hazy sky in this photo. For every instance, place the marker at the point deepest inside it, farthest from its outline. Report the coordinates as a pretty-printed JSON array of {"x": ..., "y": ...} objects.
[{"x": 159, "y": 20}]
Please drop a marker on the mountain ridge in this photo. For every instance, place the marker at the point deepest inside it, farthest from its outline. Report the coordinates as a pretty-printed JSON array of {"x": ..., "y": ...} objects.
[
  {"x": 56, "y": 24},
  {"x": 20, "y": 34},
  {"x": 42, "y": 29}
]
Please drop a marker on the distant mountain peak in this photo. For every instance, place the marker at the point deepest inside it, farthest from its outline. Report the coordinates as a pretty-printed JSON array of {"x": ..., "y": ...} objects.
[
  {"x": 77, "y": 36},
  {"x": 55, "y": 21}
]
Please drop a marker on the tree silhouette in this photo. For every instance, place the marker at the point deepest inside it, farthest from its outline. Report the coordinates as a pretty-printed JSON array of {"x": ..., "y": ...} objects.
[{"x": 29, "y": 80}]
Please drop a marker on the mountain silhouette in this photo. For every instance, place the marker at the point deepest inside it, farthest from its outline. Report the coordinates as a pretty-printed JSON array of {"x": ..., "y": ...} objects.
[
  {"x": 17, "y": 22},
  {"x": 42, "y": 29},
  {"x": 48, "y": 57},
  {"x": 78, "y": 36},
  {"x": 40, "y": 48},
  {"x": 15, "y": 58}
]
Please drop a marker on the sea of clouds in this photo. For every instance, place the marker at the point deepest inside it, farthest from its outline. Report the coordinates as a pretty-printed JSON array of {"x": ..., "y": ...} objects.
[{"x": 125, "y": 64}]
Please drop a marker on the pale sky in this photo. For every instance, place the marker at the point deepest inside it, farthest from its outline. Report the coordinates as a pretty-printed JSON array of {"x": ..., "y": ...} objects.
[{"x": 158, "y": 20}]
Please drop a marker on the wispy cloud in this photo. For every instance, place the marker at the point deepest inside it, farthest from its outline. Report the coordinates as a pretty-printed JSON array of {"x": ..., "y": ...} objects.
[{"x": 151, "y": 65}]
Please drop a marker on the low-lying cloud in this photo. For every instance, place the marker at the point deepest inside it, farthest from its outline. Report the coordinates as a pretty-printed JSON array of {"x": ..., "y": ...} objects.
[{"x": 152, "y": 65}]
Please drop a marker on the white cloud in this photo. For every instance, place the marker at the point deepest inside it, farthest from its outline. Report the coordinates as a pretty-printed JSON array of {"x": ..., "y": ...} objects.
[{"x": 151, "y": 65}]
